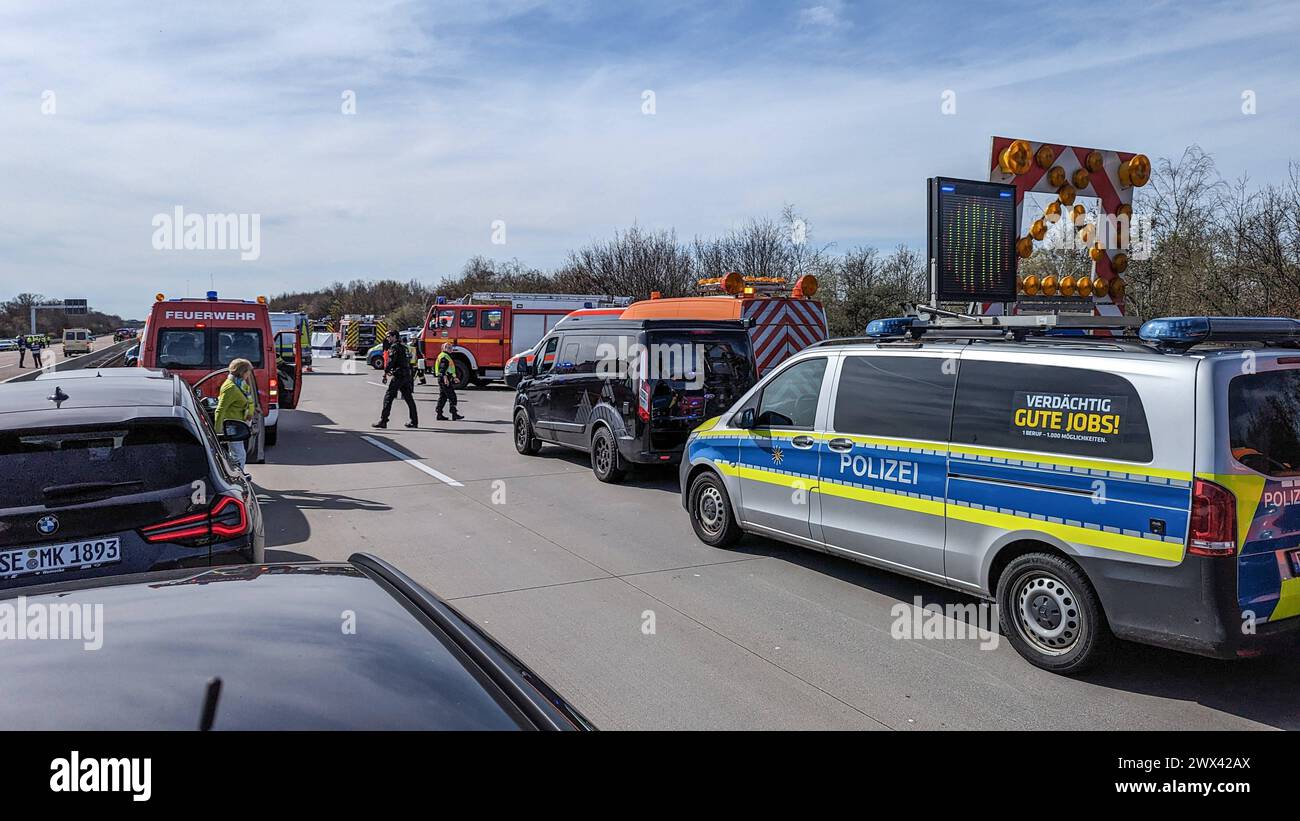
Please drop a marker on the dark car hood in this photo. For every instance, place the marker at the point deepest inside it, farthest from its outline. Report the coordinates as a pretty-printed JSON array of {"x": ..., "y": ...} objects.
[{"x": 296, "y": 646}]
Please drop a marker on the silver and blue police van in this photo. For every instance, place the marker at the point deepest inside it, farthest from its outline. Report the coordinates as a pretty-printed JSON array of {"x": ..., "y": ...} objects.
[{"x": 1145, "y": 487}]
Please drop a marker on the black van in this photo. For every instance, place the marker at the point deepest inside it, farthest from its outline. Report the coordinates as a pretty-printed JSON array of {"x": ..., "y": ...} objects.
[{"x": 629, "y": 390}]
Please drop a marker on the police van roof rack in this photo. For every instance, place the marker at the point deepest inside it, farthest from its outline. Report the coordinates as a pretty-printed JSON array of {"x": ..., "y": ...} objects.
[{"x": 944, "y": 324}]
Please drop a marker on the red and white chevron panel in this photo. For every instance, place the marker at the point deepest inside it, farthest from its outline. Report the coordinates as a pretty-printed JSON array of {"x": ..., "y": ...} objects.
[
  {"x": 782, "y": 327},
  {"x": 1104, "y": 185}
]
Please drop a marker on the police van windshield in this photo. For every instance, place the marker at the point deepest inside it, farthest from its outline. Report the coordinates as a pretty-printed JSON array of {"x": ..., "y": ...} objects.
[
  {"x": 1264, "y": 421},
  {"x": 181, "y": 348}
]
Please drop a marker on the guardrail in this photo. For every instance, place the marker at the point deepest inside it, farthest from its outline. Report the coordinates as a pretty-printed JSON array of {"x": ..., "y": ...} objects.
[{"x": 104, "y": 358}]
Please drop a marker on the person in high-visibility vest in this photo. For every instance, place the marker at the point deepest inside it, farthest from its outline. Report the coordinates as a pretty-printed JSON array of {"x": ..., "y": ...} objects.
[{"x": 444, "y": 370}]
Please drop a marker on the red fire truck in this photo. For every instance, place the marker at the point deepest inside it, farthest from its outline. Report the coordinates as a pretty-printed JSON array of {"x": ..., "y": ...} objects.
[
  {"x": 196, "y": 339},
  {"x": 488, "y": 328}
]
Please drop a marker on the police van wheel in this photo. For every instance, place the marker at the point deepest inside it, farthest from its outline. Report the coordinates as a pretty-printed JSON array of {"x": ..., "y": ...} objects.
[
  {"x": 1051, "y": 615},
  {"x": 606, "y": 462},
  {"x": 526, "y": 442},
  {"x": 711, "y": 514},
  {"x": 272, "y": 433}
]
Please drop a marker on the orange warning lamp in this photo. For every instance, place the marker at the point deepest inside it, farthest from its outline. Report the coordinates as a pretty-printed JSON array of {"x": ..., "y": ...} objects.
[
  {"x": 805, "y": 286},
  {"x": 1015, "y": 158}
]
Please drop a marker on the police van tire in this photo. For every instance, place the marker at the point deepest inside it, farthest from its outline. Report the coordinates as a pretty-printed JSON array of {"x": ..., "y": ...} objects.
[
  {"x": 377, "y": 362},
  {"x": 272, "y": 433},
  {"x": 711, "y": 514},
  {"x": 1051, "y": 615},
  {"x": 606, "y": 462},
  {"x": 526, "y": 441}
]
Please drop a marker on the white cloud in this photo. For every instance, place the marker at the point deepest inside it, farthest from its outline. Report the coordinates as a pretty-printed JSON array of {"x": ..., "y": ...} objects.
[
  {"x": 238, "y": 110},
  {"x": 826, "y": 15}
]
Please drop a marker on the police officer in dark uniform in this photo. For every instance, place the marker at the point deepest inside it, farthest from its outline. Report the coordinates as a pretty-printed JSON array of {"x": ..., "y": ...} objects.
[
  {"x": 22, "y": 351},
  {"x": 401, "y": 372}
]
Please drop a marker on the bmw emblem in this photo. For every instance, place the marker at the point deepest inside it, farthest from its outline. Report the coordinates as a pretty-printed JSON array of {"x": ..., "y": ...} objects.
[{"x": 47, "y": 525}]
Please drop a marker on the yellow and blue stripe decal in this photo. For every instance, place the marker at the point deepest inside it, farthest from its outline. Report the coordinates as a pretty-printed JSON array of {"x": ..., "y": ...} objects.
[
  {"x": 1126, "y": 508},
  {"x": 1268, "y": 530}
]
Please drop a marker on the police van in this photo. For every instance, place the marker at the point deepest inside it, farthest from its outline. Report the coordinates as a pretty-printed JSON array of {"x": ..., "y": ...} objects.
[
  {"x": 1142, "y": 487},
  {"x": 628, "y": 391}
]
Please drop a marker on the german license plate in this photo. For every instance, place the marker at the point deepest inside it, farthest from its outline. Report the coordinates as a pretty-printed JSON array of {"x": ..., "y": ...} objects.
[{"x": 25, "y": 561}]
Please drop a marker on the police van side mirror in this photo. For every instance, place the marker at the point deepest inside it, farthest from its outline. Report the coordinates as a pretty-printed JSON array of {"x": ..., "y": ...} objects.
[
  {"x": 234, "y": 430},
  {"x": 745, "y": 419},
  {"x": 521, "y": 366}
]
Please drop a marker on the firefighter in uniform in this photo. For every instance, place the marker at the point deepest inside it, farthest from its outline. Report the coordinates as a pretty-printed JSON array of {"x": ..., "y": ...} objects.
[
  {"x": 403, "y": 376},
  {"x": 444, "y": 370}
]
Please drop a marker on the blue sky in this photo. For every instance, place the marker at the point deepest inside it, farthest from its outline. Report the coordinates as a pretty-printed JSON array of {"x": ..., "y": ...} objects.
[{"x": 531, "y": 113}]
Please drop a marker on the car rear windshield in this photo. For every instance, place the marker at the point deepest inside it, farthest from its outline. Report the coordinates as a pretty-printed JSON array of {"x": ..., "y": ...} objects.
[
  {"x": 211, "y": 348},
  {"x": 41, "y": 466},
  {"x": 1264, "y": 421},
  {"x": 717, "y": 359}
]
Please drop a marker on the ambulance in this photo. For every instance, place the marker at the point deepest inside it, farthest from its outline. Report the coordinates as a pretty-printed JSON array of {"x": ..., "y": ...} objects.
[{"x": 196, "y": 339}]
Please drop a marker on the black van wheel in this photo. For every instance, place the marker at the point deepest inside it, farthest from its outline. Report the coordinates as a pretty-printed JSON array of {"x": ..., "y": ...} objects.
[
  {"x": 272, "y": 434},
  {"x": 526, "y": 441},
  {"x": 710, "y": 509},
  {"x": 606, "y": 462},
  {"x": 1051, "y": 615}
]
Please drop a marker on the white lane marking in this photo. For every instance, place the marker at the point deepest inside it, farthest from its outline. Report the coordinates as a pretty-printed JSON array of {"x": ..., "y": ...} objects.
[
  {"x": 413, "y": 462},
  {"x": 376, "y": 384}
]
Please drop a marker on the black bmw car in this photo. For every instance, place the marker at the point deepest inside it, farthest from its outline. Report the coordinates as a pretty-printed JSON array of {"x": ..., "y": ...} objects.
[
  {"x": 102, "y": 476},
  {"x": 353, "y": 645}
]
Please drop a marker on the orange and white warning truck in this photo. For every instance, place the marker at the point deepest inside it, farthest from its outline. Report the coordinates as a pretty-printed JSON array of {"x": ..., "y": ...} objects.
[{"x": 782, "y": 320}]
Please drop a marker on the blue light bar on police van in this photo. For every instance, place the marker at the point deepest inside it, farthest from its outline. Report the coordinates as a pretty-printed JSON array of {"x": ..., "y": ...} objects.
[
  {"x": 1190, "y": 330},
  {"x": 893, "y": 326}
]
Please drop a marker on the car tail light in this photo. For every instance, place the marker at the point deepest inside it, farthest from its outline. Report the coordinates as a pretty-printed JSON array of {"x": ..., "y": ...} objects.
[
  {"x": 1214, "y": 520},
  {"x": 643, "y": 402},
  {"x": 227, "y": 518}
]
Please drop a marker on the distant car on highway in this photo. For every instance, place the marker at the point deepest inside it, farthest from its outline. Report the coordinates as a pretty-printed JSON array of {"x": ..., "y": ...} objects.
[
  {"x": 263, "y": 647},
  {"x": 78, "y": 341},
  {"x": 132, "y": 356},
  {"x": 106, "y": 476},
  {"x": 7, "y": 344}
]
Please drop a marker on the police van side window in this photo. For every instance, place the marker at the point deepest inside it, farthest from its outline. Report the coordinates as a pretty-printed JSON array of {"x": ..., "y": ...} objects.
[
  {"x": 584, "y": 360},
  {"x": 790, "y": 399},
  {"x": 569, "y": 353},
  {"x": 1047, "y": 408},
  {"x": 904, "y": 397},
  {"x": 546, "y": 360},
  {"x": 1264, "y": 421}
]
